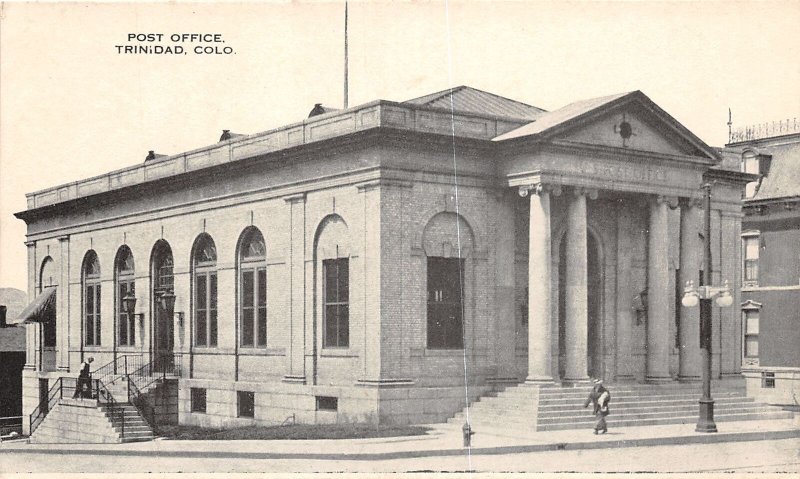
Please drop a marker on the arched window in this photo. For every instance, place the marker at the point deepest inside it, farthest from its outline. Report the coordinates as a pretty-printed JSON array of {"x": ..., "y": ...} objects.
[
  {"x": 47, "y": 278},
  {"x": 204, "y": 265},
  {"x": 333, "y": 262},
  {"x": 91, "y": 300},
  {"x": 162, "y": 282},
  {"x": 253, "y": 288},
  {"x": 126, "y": 322}
]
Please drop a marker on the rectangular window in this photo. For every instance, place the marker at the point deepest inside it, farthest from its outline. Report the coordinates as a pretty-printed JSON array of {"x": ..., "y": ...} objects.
[
  {"x": 750, "y": 248},
  {"x": 127, "y": 321},
  {"x": 246, "y": 403},
  {"x": 751, "y": 318},
  {"x": 327, "y": 403},
  {"x": 198, "y": 400},
  {"x": 92, "y": 315},
  {"x": 254, "y": 307},
  {"x": 205, "y": 309},
  {"x": 767, "y": 379},
  {"x": 445, "y": 303},
  {"x": 336, "y": 308}
]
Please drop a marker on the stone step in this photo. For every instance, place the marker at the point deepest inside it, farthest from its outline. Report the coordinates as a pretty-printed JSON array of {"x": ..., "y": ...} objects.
[
  {"x": 588, "y": 422},
  {"x": 525, "y": 392},
  {"x": 529, "y": 404},
  {"x": 511, "y": 407},
  {"x": 628, "y": 418}
]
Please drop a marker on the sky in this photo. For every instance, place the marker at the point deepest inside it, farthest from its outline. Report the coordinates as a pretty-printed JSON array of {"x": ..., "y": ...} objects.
[{"x": 72, "y": 106}]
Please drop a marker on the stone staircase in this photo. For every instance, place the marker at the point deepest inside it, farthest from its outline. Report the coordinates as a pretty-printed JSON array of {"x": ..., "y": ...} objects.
[
  {"x": 85, "y": 421},
  {"x": 526, "y": 408}
]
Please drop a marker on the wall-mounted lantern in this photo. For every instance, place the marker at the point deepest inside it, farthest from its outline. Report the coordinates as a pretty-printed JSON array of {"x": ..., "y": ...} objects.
[{"x": 129, "y": 307}]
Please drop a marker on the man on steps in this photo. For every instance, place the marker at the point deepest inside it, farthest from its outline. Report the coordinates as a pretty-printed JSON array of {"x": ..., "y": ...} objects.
[{"x": 83, "y": 388}]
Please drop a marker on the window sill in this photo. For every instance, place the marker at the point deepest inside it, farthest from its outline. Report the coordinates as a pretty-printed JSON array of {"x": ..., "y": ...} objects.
[
  {"x": 337, "y": 353},
  {"x": 444, "y": 352},
  {"x": 248, "y": 351}
]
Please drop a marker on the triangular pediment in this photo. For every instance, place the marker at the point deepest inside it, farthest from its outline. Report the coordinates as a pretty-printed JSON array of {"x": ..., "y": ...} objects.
[{"x": 629, "y": 121}]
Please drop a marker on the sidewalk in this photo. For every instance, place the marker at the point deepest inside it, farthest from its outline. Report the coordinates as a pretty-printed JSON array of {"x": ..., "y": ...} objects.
[{"x": 442, "y": 440}]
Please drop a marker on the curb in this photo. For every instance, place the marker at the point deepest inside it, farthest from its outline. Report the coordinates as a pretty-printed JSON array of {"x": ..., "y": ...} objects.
[{"x": 642, "y": 442}]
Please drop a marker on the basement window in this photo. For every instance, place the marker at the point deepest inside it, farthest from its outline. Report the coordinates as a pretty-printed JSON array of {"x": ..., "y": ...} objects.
[
  {"x": 246, "y": 403},
  {"x": 768, "y": 380},
  {"x": 198, "y": 400},
  {"x": 327, "y": 403}
]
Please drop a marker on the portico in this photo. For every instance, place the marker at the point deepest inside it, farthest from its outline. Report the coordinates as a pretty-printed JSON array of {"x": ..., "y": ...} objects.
[{"x": 626, "y": 207}]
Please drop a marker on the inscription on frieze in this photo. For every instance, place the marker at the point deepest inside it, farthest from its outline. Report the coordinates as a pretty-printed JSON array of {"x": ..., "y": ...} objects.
[{"x": 646, "y": 174}]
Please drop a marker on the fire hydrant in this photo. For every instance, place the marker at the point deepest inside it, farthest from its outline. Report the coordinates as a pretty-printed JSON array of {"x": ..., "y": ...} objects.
[{"x": 467, "y": 432}]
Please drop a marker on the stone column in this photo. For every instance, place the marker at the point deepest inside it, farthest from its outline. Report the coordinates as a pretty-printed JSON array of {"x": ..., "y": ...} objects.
[
  {"x": 691, "y": 256},
  {"x": 658, "y": 293},
  {"x": 577, "y": 312},
  {"x": 539, "y": 287}
]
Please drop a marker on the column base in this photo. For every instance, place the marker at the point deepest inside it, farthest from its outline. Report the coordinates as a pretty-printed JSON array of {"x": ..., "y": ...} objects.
[
  {"x": 577, "y": 380},
  {"x": 689, "y": 379},
  {"x": 658, "y": 379},
  {"x": 705, "y": 423},
  {"x": 539, "y": 380}
]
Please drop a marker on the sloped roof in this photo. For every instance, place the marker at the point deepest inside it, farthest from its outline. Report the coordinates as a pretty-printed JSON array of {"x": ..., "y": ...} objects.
[
  {"x": 562, "y": 115},
  {"x": 782, "y": 180},
  {"x": 471, "y": 100}
]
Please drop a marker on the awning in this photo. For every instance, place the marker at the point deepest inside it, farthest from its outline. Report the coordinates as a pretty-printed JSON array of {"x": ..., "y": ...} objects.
[{"x": 41, "y": 309}]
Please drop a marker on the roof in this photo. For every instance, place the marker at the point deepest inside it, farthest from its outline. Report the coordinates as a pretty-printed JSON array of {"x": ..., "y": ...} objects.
[
  {"x": 782, "y": 180},
  {"x": 471, "y": 100},
  {"x": 562, "y": 115}
]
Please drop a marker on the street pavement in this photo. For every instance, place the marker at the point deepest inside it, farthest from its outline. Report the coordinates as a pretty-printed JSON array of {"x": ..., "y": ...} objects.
[{"x": 746, "y": 446}]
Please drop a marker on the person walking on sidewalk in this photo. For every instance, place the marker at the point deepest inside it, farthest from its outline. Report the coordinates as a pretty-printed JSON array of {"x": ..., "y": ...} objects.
[
  {"x": 599, "y": 398},
  {"x": 83, "y": 388}
]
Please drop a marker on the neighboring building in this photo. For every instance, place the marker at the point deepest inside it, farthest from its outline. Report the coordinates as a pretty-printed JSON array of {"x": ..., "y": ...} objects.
[
  {"x": 771, "y": 259},
  {"x": 12, "y": 354},
  {"x": 371, "y": 263}
]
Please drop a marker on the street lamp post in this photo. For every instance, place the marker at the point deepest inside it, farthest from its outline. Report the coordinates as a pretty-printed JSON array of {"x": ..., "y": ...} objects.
[{"x": 704, "y": 294}]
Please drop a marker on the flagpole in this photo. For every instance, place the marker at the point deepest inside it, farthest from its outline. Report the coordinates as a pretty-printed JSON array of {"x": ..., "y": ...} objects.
[{"x": 345, "y": 54}]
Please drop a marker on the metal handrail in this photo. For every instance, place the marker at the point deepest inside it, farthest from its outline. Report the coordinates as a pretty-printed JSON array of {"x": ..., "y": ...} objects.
[
  {"x": 117, "y": 367},
  {"x": 143, "y": 376},
  {"x": 142, "y": 404},
  {"x": 104, "y": 395}
]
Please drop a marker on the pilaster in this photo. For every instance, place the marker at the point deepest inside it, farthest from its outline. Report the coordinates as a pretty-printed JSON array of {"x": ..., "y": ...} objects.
[
  {"x": 62, "y": 303},
  {"x": 297, "y": 288}
]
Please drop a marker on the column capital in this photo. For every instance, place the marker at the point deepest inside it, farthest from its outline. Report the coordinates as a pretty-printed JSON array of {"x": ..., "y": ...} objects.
[
  {"x": 30, "y": 244},
  {"x": 671, "y": 201},
  {"x": 539, "y": 188},
  {"x": 590, "y": 193}
]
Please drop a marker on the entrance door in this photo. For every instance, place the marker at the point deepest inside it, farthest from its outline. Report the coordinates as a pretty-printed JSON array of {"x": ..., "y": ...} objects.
[{"x": 44, "y": 389}]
